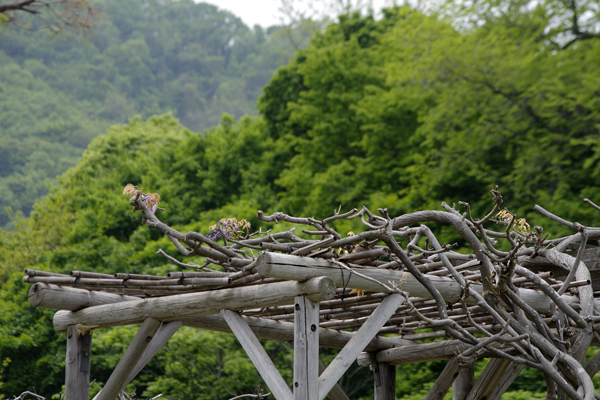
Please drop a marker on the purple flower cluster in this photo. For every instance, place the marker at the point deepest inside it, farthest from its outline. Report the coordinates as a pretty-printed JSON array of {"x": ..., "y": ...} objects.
[{"x": 228, "y": 227}]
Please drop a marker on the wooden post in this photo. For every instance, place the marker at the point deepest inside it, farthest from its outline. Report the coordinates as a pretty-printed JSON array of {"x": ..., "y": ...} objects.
[
  {"x": 77, "y": 380},
  {"x": 384, "y": 377},
  {"x": 258, "y": 355},
  {"x": 463, "y": 383},
  {"x": 116, "y": 382},
  {"x": 306, "y": 349}
]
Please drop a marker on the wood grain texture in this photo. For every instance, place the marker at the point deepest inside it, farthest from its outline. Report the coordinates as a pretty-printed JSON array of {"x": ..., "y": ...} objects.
[
  {"x": 444, "y": 381},
  {"x": 286, "y": 266},
  {"x": 356, "y": 345},
  {"x": 306, "y": 349},
  {"x": 177, "y": 307},
  {"x": 78, "y": 363},
  {"x": 132, "y": 355},
  {"x": 161, "y": 337},
  {"x": 258, "y": 355}
]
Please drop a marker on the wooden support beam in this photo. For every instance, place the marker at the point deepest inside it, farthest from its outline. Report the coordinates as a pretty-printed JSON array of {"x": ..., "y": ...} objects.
[
  {"x": 463, "y": 383},
  {"x": 67, "y": 298},
  {"x": 132, "y": 355},
  {"x": 286, "y": 266},
  {"x": 78, "y": 361},
  {"x": 508, "y": 377},
  {"x": 306, "y": 349},
  {"x": 356, "y": 345},
  {"x": 337, "y": 393},
  {"x": 161, "y": 337},
  {"x": 434, "y": 351},
  {"x": 258, "y": 355},
  {"x": 384, "y": 377},
  {"x": 284, "y": 331},
  {"x": 444, "y": 381},
  {"x": 176, "y": 307},
  {"x": 490, "y": 377}
]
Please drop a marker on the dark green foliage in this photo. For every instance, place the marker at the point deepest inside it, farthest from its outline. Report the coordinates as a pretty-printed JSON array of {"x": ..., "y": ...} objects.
[{"x": 403, "y": 112}]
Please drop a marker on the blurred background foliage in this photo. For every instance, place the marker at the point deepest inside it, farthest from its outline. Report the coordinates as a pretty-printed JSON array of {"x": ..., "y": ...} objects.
[{"x": 403, "y": 111}]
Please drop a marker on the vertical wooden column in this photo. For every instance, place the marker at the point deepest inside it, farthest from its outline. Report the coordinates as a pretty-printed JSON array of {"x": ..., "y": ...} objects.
[
  {"x": 463, "y": 383},
  {"x": 306, "y": 349},
  {"x": 77, "y": 380},
  {"x": 384, "y": 376}
]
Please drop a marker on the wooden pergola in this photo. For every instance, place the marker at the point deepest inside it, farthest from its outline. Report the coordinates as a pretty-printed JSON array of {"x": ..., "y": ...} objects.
[{"x": 302, "y": 291}]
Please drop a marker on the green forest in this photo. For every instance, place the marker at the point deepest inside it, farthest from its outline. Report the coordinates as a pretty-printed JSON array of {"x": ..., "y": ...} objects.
[{"x": 402, "y": 111}]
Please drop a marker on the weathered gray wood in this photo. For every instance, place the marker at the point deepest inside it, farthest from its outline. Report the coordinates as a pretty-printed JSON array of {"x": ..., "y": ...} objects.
[
  {"x": 176, "y": 307},
  {"x": 286, "y": 266},
  {"x": 444, "y": 381},
  {"x": 161, "y": 337},
  {"x": 263, "y": 328},
  {"x": 363, "y": 336},
  {"x": 306, "y": 349},
  {"x": 463, "y": 383},
  {"x": 284, "y": 331},
  {"x": 258, "y": 355},
  {"x": 384, "y": 377},
  {"x": 129, "y": 360},
  {"x": 435, "y": 351},
  {"x": 489, "y": 378},
  {"x": 67, "y": 298},
  {"x": 508, "y": 377},
  {"x": 78, "y": 361},
  {"x": 337, "y": 393}
]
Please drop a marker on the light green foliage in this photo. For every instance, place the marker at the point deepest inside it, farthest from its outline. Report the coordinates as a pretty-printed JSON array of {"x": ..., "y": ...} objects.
[{"x": 145, "y": 57}]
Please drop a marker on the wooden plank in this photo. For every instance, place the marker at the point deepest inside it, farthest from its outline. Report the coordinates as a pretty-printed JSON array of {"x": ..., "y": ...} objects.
[
  {"x": 161, "y": 337},
  {"x": 355, "y": 346},
  {"x": 176, "y": 307},
  {"x": 463, "y": 383},
  {"x": 78, "y": 361},
  {"x": 306, "y": 349},
  {"x": 489, "y": 378},
  {"x": 286, "y": 266},
  {"x": 384, "y": 377},
  {"x": 258, "y": 355},
  {"x": 336, "y": 393},
  {"x": 132, "y": 355},
  {"x": 444, "y": 381},
  {"x": 435, "y": 351}
]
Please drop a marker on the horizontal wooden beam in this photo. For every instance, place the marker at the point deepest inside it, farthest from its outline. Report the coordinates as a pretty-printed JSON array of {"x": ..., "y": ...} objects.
[
  {"x": 289, "y": 267},
  {"x": 177, "y": 307},
  {"x": 46, "y": 296},
  {"x": 434, "y": 351},
  {"x": 284, "y": 331},
  {"x": 67, "y": 298}
]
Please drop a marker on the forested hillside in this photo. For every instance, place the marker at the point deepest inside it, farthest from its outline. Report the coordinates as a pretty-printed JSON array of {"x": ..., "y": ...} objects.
[
  {"x": 58, "y": 92},
  {"x": 403, "y": 112}
]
